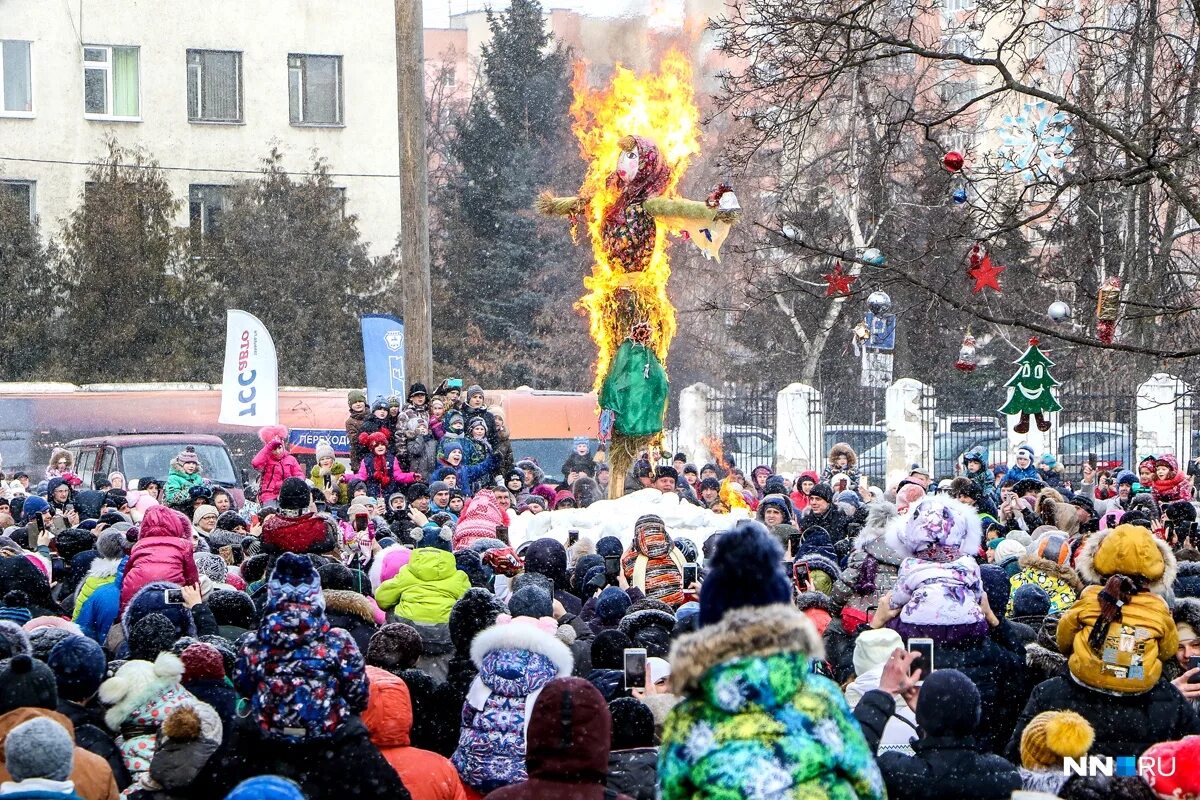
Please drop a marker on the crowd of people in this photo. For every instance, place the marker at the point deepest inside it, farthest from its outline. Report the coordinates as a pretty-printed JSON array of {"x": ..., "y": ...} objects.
[{"x": 366, "y": 628}]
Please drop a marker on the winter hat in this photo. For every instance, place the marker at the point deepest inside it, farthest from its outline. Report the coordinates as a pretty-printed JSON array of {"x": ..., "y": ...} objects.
[
  {"x": 949, "y": 704},
  {"x": 1030, "y": 600},
  {"x": 78, "y": 665},
  {"x": 632, "y": 724},
  {"x": 531, "y": 601},
  {"x": 1184, "y": 780},
  {"x": 294, "y": 495},
  {"x": 1007, "y": 549},
  {"x": 110, "y": 544},
  {"x": 294, "y": 581},
  {"x": 744, "y": 571},
  {"x": 1054, "y": 545},
  {"x": 202, "y": 662},
  {"x": 16, "y": 608},
  {"x": 33, "y": 506},
  {"x": 611, "y": 605},
  {"x": 26, "y": 682},
  {"x": 39, "y": 748},
  {"x": 823, "y": 491},
  {"x": 355, "y": 396},
  {"x": 996, "y": 586},
  {"x": 873, "y": 647},
  {"x": 232, "y": 608},
  {"x": 609, "y": 546},
  {"x": 475, "y": 611},
  {"x": 270, "y": 787},
  {"x": 323, "y": 450},
  {"x": 204, "y": 511},
  {"x": 608, "y": 650},
  {"x": 212, "y": 566},
  {"x": 151, "y": 635},
  {"x": 710, "y": 483},
  {"x": 650, "y": 628},
  {"x": 937, "y": 523},
  {"x": 1052, "y": 736},
  {"x": 187, "y": 456},
  {"x": 471, "y": 563},
  {"x": 474, "y": 390},
  {"x": 395, "y": 646},
  {"x": 1127, "y": 550}
]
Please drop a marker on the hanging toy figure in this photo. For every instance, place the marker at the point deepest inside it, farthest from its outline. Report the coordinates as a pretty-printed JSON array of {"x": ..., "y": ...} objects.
[
  {"x": 1108, "y": 307},
  {"x": 628, "y": 206},
  {"x": 1031, "y": 390},
  {"x": 967, "y": 359}
]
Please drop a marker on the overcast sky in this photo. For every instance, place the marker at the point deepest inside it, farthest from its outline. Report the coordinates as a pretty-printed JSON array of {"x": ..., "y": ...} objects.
[{"x": 437, "y": 12}]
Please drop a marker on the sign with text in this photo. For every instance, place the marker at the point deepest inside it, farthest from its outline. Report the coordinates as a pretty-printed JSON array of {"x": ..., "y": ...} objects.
[
  {"x": 250, "y": 381},
  {"x": 383, "y": 349},
  {"x": 303, "y": 441}
]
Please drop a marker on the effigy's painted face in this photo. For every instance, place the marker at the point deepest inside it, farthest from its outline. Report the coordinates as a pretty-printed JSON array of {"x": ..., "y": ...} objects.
[{"x": 627, "y": 164}]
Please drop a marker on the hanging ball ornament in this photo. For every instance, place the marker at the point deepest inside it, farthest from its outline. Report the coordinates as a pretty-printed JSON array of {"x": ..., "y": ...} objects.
[
  {"x": 879, "y": 303},
  {"x": 959, "y": 195},
  {"x": 872, "y": 255},
  {"x": 1058, "y": 311},
  {"x": 953, "y": 161}
]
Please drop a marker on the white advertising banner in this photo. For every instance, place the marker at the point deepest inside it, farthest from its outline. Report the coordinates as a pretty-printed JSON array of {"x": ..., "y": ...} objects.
[{"x": 250, "y": 386}]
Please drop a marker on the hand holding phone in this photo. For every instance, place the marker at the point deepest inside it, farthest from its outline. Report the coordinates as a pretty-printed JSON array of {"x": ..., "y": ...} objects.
[
  {"x": 635, "y": 668},
  {"x": 1194, "y": 663},
  {"x": 612, "y": 567},
  {"x": 691, "y": 574},
  {"x": 924, "y": 648}
]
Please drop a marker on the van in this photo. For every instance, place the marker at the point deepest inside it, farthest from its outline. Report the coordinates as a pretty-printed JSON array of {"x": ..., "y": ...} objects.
[{"x": 149, "y": 455}]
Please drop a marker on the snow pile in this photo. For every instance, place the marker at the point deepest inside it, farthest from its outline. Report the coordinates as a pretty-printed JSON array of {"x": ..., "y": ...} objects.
[{"x": 616, "y": 518}]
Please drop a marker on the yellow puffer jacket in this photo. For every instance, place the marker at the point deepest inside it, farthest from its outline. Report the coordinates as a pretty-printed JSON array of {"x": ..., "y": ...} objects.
[
  {"x": 1135, "y": 646},
  {"x": 1060, "y": 583},
  {"x": 425, "y": 589}
]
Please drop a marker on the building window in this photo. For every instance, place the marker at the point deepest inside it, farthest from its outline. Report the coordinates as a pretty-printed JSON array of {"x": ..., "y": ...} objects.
[
  {"x": 110, "y": 82},
  {"x": 206, "y": 205},
  {"x": 214, "y": 86},
  {"x": 16, "y": 81},
  {"x": 951, "y": 6},
  {"x": 315, "y": 89},
  {"x": 23, "y": 192}
]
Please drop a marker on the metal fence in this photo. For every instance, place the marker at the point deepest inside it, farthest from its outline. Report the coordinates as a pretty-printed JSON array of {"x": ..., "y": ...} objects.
[{"x": 742, "y": 417}]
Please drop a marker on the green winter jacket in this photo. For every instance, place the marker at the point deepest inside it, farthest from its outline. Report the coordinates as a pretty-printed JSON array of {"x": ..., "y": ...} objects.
[
  {"x": 179, "y": 483},
  {"x": 102, "y": 572},
  {"x": 756, "y": 722},
  {"x": 336, "y": 473},
  {"x": 425, "y": 589}
]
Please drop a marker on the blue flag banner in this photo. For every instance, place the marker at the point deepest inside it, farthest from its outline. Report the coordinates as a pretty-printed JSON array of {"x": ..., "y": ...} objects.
[
  {"x": 303, "y": 441},
  {"x": 383, "y": 348},
  {"x": 882, "y": 328}
]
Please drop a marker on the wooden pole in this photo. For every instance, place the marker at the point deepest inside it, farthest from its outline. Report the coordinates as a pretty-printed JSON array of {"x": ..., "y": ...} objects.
[{"x": 414, "y": 192}]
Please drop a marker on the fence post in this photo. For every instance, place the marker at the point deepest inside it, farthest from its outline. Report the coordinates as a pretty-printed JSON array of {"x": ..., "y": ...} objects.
[
  {"x": 908, "y": 429},
  {"x": 695, "y": 423},
  {"x": 799, "y": 429},
  {"x": 1163, "y": 424}
]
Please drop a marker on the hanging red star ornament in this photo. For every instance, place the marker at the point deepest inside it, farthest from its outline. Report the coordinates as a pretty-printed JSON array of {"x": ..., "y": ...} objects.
[
  {"x": 985, "y": 274},
  {"x": 838, "y": 282}
]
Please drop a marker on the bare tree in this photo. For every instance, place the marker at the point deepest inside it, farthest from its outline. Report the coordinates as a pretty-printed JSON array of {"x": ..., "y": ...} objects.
[{"x": 1077, "y": 121}]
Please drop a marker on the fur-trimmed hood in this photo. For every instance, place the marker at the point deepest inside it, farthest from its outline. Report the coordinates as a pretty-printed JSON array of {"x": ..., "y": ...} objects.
[
  {"x": 742, "y": 632},
  {"x": 103, "y": 567},
  {"x": 135, "y": 683},
  {"x": 345, "y": 601},
  {"x": 936, "y": 520},
  {"x": 1053, "y": 569},
  {"x": 810, "y": 600},
  {"x": 844, "y": 449},
  {"x": 1043, "y": 659},
  {"x": 521, "y": 636},
  {"x": 880, "y": 514},
  {"x": 1187, "y": 611},
  {"x": 1085, "y": 563}
]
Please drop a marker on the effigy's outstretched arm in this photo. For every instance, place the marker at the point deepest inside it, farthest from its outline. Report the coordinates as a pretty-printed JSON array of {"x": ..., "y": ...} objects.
[
  {"x": 669, "y": 209},
  {"x": 553, "y": 206}
]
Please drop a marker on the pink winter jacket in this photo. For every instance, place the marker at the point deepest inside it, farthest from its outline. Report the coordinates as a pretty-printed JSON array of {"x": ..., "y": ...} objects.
[
  {"x": 275, "y": 466},
  {"x": 163, "y": 553}
]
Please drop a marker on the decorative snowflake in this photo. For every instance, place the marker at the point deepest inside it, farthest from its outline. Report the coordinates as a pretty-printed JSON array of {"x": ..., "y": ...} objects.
[
  {"x": 1035, "y": 141},
  {"x": 700, "y": 741},
  {"x": 827, "y": 733},
  {"x": 767, "y": 780}
]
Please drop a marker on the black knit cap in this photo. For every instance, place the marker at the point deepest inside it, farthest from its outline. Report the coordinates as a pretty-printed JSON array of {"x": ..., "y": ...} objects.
[
  {"x": 294, "y": 495},
  {"x": 26, "y": 682},
  {"x": 632, "y": 724}
]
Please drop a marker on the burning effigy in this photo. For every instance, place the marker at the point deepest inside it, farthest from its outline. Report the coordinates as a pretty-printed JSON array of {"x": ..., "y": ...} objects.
[{"x": 638, "y": 136}]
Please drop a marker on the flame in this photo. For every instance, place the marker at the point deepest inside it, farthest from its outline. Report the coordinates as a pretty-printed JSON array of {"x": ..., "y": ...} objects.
[
  {"x": 713, "y": 445},
  {"x": 659, "y": 107}
]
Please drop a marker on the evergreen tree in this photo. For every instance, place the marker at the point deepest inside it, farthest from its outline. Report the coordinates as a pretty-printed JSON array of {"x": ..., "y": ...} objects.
[
  {"x": 506, "y": 280},
  {"x": 28, "y": 302},
  {"x": 1031, "y": 389},
  {"x": 289, "y": 254},
  {"x": 131, "y": 299}
]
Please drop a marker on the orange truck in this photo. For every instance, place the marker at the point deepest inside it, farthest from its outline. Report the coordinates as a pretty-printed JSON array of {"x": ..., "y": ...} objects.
[{"x": 37, "y": 417}]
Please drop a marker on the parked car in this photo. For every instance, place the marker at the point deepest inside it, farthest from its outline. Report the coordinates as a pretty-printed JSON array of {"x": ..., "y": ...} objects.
[
  {"x": 749, "y": 447},
  {"x": 1112, "y": 443},
  {"x": 948, "y": 450},
  {"x": 146, "y": 455}
]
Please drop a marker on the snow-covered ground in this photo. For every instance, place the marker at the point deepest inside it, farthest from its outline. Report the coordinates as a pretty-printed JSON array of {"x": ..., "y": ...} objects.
[{"x": 616, "y": 518}]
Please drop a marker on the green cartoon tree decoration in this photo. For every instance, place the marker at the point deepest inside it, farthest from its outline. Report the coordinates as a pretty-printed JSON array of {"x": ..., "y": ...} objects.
[{"x": 1031, "y": 390}]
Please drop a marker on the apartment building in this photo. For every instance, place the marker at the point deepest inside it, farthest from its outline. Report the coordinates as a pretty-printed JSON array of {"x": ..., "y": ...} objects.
[{"x": 207, "y": 88}]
